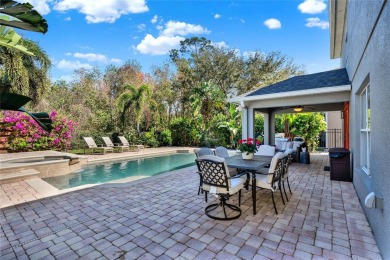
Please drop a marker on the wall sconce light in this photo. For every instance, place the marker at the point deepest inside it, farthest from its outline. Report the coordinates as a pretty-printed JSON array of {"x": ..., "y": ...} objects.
[
  {"x": 342, "y": 114},
  {"x": 298, "y": 109}
]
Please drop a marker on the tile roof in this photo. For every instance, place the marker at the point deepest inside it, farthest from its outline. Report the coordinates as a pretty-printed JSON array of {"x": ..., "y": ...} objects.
[{"x": 325, "y": 79}]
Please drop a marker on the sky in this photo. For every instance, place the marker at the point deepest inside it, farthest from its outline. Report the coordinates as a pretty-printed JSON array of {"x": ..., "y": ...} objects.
[{"x": 92, "y": 33}]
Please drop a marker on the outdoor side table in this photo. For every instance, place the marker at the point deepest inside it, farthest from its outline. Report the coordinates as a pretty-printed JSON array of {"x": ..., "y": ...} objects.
[{"x": 305, "y": 158}]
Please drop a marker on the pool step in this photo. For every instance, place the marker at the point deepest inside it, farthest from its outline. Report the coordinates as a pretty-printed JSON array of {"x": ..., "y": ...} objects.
[{"x": 18, "y": 176}]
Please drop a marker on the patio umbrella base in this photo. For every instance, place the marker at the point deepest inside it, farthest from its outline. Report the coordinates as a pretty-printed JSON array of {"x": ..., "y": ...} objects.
[{"x": 234, "y": 212}]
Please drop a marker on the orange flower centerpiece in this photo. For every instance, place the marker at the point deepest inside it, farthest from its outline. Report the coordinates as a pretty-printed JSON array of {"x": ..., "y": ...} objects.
[{"x": 247, "y": 147}]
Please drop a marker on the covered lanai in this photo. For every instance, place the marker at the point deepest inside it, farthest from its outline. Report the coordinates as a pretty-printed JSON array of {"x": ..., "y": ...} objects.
[{"x": 319, "y": 92}]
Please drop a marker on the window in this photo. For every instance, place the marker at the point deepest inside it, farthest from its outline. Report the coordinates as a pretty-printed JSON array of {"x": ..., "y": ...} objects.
[{"x": 365, "y": 140}]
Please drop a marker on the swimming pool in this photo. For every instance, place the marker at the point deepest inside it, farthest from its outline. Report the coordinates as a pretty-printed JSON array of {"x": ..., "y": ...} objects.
[{"x": 102, "y": 173}]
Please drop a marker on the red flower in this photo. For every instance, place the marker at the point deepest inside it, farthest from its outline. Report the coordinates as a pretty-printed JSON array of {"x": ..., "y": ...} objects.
[
  {"x": 240, "y": 141},
  {"x": 249, "y": 143},
  {"x": 257, "y": 142},
  {"x": 250, "y": 139}
]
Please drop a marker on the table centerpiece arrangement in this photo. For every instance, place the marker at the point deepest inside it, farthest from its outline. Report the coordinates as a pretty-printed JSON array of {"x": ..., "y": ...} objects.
[{"x": 248, "y": 147}]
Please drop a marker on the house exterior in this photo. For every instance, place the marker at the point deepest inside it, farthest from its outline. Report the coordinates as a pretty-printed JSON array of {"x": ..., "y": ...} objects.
[
  {"x": 360, "y": 36},
  {"x": 360, "y": 91}
]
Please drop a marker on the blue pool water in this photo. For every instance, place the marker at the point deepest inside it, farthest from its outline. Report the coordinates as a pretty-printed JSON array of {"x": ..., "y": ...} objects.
[{"x": 95, "y": 174}]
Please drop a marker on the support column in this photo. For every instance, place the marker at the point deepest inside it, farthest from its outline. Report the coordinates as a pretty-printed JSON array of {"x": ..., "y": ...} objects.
[
  {"x": 272, "y": 129},
  {"x": 266, "y": 128},
  {"x": 244, "y": 119},
  {"x": 251, "y": 122}
]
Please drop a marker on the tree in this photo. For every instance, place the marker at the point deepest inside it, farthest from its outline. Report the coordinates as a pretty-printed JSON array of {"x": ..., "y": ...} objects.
[
  {"x": 263, "y": 69},
  {"x": 135, "y": 97},
  {"x": 207, "y": 99},
  {"x": 23, "y": 73}
]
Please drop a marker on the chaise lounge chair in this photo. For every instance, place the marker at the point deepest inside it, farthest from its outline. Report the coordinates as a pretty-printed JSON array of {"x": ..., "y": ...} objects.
[
  {"x": 92, "y": 145},
  {"x": 109, "y": 143},
  {"x": 126, "y": 143}
]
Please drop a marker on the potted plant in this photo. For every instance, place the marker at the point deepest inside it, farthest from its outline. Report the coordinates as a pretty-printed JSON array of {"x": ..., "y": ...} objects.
[
  {"x": 247, "y": 147},
  {"x": 304, "y": 147}
]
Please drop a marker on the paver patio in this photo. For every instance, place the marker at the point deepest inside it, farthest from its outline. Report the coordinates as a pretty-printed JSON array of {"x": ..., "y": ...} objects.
[{"x": 163, "y": 217}]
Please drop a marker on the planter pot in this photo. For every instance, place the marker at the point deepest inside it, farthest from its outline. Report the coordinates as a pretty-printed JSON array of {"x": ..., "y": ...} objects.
[{"x": 247, "y": 156}]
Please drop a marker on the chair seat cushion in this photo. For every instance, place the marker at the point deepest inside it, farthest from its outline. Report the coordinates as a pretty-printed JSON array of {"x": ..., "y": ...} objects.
[
  {"x": 236, "y": 185},
  {"x": 263, "y": 181}
]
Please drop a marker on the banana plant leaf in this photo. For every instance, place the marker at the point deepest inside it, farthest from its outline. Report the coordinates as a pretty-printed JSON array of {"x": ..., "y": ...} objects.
[
  {"x": 9, "y": 38},
  {"x": 25, "y": 17},
  {"x": 15, "y": 102}
]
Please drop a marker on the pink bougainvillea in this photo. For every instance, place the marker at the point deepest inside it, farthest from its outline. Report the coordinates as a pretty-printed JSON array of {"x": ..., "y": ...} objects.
[{"x": 27, "y": 135}]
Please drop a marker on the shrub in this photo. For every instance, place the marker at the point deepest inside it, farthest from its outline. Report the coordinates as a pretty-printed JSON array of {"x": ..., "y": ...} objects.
[
  {"x": 309, "y": 126},
  {"x": 149, "y": 139},
  {"x": 27, "y": 135},
  {"x": 166, "y": 137},
  {"x": 184, "y": 132}
]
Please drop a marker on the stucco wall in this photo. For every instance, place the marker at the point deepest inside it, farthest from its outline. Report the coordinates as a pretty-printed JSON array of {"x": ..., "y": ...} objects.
[{"x": 366, "y": 55}]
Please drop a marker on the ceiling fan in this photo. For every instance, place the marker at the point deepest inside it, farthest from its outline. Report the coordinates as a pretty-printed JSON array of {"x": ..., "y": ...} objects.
[{"x": 301, "y": 108}]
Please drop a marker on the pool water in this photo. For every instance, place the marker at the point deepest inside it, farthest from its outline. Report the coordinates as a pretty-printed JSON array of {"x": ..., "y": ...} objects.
[{"x": 101, "y": 173}]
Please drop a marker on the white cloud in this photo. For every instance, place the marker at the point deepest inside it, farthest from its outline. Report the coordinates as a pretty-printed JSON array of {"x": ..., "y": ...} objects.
[
  {"x": 102, "y": 11},
  {"x": 273, "y": 23},
  {"x": 40, "y": 5},
  {"x": 242, "y": 20},
  {"x": 158, "y": 46},
  {"x": 312, "y": 6},
  {"x": 116, "y": 60},
  {"x": 68, "y": 19},
  {"x": 220, "y": 44},
  {"x": 316, "y": 22},
  {"x": 72, "y": 65},
  {"x": 217, "y": 16},
  {"x": 91, "y": 57},
  {"x": 169, "y": 38},
  {"x": 180, "y": 28},
  {"x": 154, "y": 19}
]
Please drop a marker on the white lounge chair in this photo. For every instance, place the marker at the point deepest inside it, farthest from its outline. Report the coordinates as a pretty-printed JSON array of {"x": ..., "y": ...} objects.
[
  {"x": 126, "y": 143},
  {"x": 92, "y": 145},
  {"x": 109, "y": 143}
]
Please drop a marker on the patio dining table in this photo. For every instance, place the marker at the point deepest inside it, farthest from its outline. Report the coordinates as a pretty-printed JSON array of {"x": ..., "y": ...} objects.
[{"x": 251, "y": 166}]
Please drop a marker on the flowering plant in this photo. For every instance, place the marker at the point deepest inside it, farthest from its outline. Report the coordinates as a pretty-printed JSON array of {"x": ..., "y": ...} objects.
[
  {"x": 247, "y": 145},
  {"x": 26, "y": 135}
]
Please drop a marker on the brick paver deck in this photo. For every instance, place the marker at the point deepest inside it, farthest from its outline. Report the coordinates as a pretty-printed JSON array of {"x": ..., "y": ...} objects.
[{"x": 163, "y": 217}]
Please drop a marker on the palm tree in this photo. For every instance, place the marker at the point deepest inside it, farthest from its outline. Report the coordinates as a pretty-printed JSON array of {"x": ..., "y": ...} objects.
[
  {"x": 22, "y": 73},
  {"x": 133, "y": 97}
]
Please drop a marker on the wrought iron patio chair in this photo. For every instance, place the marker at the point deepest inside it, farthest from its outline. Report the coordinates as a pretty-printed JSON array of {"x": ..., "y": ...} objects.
[
  {"x": 286, "y": 163},
  {"x": 201, "y": 152},
  {"x": 204, "y": 151},
  {"x": 217, "y": 180},
  {"x": 222, "y": 152},
  {"x": 272, "y": 181}
]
